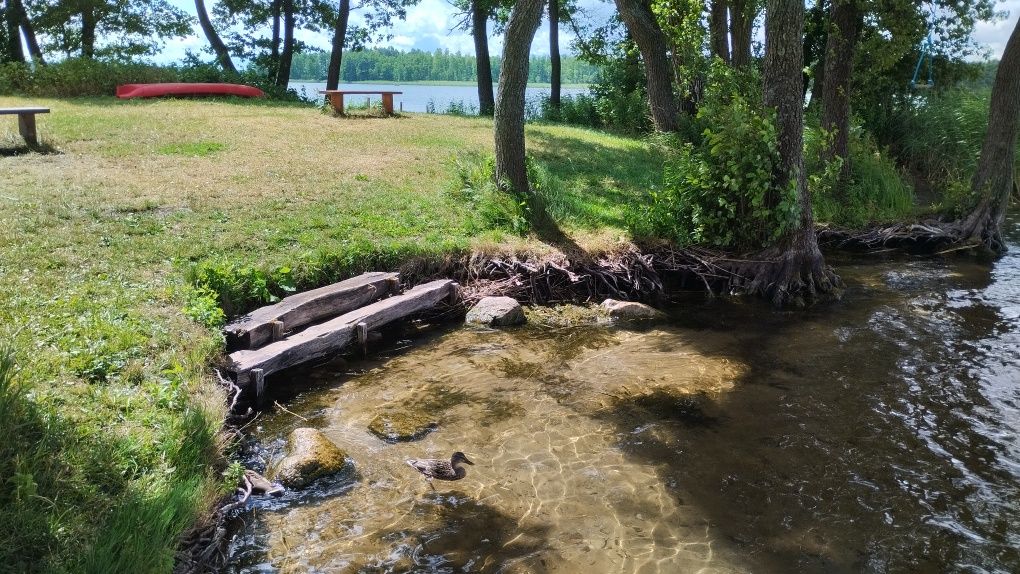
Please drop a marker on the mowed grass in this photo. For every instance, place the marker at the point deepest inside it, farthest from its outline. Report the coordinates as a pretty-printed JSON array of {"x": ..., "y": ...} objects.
[{"x": 111, "y": 417}]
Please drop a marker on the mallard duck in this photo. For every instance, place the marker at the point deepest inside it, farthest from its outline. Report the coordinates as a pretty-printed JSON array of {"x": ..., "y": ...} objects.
[{"x": 441, "y": 469}]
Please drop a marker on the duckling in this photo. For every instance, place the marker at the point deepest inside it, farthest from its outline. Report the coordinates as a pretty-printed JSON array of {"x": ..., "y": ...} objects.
[{"x": 441, "y": 469}]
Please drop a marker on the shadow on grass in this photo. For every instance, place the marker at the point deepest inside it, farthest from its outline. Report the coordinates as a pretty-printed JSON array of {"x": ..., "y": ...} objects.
[
  {"x": 598, "y": 185},
  {"x": 79, "y": 500},
  {"x": 27, "y": 148}
]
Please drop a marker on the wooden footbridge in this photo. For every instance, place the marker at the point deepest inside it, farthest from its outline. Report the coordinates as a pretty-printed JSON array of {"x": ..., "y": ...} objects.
[{"x": 323, "y": 322}]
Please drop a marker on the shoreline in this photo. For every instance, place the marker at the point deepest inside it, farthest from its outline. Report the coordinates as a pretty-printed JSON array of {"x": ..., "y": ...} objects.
[{"x": 448, "y": 83}]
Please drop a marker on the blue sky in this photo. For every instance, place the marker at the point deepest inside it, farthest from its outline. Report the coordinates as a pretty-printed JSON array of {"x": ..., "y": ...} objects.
[{"x": 428, "y": 26}]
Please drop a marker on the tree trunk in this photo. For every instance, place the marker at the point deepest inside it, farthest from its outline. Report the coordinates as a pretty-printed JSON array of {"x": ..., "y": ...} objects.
[
  {"x": 88, "y": 33},
  {"x": 554, "y": 52},
  {"x": 511, "y": 170},
  {"x": 839, "y": 58},
  {"x": 28, "y": 31},
  {"x": 483, "y": 64},
  {"x": 640, "y": 22},
  {"x": 15, "y": 53},
  {"x": 287, "y": 55},
  {"x": 993, "y": 179},
  {"x": 717, "y": 29},
  {"x": 741, "y": 23},
  {"x": 219, "y": 48},
  {"x": 793, "y": 271},
  {"x": 274, "y": 48},
  {"x": 816, "y": 33},
  {"x": 339, "y": 39}
]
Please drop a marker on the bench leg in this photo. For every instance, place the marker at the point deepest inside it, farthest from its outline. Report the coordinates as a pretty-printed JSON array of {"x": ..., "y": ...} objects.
[
  {"x": 26, "y": 125},
  {"x": 387, "y": 104},
  {"x": 337, "y": 101}
]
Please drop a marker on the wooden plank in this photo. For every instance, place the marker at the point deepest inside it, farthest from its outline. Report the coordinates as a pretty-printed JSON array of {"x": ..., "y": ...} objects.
[
  {"x": 20, "y": 111},
  {"x": 296, "y": 311},
  {"x": 329, "y": 338}
]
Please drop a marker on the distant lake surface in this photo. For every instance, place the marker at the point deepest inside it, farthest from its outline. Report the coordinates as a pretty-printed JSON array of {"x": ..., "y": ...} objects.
[{"x": 423, "y": 98}]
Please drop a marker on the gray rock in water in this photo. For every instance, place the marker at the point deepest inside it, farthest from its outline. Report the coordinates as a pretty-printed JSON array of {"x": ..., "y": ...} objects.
[
  {"x": 402, "y": 426},
  {"x": 311, "y": 456},
  {"x": 497, "y": 312},
  {"x": 630, "y": 311}
]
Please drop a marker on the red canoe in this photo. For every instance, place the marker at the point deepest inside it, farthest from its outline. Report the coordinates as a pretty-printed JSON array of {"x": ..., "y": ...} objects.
[{"x": 181, "y": 89}]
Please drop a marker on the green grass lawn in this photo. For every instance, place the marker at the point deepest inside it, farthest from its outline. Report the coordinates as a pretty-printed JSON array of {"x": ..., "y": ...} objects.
[{"x": 111, "y": 443}]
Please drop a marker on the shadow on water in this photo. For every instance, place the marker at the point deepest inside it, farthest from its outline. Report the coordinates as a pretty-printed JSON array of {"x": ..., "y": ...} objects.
[
  {"x": 863, "y": 436},
  {"x": 466, "y": 535}
]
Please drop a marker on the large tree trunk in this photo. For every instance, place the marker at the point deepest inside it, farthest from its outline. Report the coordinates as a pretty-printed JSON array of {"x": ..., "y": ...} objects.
[
  {"x": 483, "y": 65},
  {"x": 717, "y": 30},
  {"x": 15, "y": 53},
  {"x": 741, "y": 23},
  {"x": 219, "y": 48},
  {"x": 339, "y": 39},
  {"x": 640, "y": 22},
  {"x": 511, "y": 170},
  {"x": 554, "y": 52},
  {"x": 287, "y": 55},
  {"x": 993, "y": 179},
  {"x": 839, "y": 58},
  {"x": 28, "y": 31},
  {"x": 88, "y": 33},
  {"x": 793, "y": 271}
]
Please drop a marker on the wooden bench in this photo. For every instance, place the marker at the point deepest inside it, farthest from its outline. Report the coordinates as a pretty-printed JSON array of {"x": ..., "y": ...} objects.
[
  {"x": 26, "y": 121},
  {"x": 336, "y": 99}
]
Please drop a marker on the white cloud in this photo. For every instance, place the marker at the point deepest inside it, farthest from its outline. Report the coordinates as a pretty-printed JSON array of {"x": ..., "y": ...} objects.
[
  {"x": 994, "y": 35},
  {"x": 428, "y": 26}
]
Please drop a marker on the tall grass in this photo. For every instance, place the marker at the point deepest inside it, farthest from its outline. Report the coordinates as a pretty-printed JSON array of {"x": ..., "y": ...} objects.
[{"x": 939, "y": 137}]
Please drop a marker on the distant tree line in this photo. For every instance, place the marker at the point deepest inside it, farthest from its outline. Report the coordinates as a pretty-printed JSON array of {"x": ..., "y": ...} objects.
[{"x": 391, "y": 65}]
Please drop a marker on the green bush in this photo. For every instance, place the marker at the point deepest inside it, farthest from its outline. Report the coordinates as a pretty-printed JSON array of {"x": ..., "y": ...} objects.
[
  {"x": 719, "y": 191},
  {"x": 492, "y": 208},
  {"x": 79, "y": 77}
]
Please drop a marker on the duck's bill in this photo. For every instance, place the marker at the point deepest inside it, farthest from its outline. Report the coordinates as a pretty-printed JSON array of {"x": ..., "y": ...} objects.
[{"x": 468, "y": 461}]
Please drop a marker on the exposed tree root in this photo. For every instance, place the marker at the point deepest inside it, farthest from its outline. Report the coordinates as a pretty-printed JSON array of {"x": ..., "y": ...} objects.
[
  {"x": 977, "y": 231},
  {"x": 797, "y": 276}
]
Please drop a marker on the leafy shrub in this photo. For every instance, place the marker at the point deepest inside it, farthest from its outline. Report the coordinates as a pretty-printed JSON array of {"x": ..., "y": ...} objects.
[
  {"x": 237, "y": 287},
  {"x": 719, "y": 191},
  {"x": 77, "y": 77}
]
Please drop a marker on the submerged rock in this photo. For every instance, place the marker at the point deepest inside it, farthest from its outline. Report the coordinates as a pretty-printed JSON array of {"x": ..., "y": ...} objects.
[
  {"x": 497, "y": 312},
  {"x": 311, "y": 456},
  {"x": 402, "y": 426},
  {"x": 630, "y": 311}
]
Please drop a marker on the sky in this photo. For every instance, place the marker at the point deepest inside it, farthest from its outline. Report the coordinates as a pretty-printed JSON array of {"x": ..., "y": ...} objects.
[{"x": 428, "y": 26}]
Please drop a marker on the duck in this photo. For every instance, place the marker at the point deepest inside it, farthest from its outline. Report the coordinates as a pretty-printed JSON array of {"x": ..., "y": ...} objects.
[{"x": 441, "y": 469}]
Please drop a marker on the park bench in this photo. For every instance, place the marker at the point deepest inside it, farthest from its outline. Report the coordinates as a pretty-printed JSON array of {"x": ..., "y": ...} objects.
[
  {"x": 26, "y": 121},
  {"x": 336, "y": 99}
]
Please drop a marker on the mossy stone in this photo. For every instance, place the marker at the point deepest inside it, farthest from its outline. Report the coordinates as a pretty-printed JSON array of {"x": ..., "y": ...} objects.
[
  {"x": 402, "y": 426},
  {"x": 310, "y": 456}
]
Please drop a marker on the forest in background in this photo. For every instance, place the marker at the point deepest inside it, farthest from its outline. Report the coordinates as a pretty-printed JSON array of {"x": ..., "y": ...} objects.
[{"x": 392, "y": 65}]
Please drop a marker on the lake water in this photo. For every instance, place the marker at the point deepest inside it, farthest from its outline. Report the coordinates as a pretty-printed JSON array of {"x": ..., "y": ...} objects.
[
  {"x": 877, "y": 434},
  {"x": 420, "y": 98}
]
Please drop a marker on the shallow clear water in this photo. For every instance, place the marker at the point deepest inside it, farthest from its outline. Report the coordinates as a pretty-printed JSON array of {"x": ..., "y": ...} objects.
[{"x": 878, "y": 434}]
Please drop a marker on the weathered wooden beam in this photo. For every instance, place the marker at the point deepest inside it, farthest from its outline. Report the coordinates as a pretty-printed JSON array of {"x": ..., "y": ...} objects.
[
  {"x": 268, "y": 324},
  {"x": 329, "y": 338}
]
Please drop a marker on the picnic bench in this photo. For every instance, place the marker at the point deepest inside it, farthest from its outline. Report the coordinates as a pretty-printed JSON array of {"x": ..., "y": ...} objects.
[
  {"x": 336, "y": 98},
  {"x": 26, "y": 121}
]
